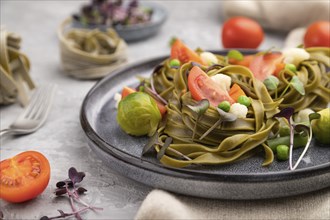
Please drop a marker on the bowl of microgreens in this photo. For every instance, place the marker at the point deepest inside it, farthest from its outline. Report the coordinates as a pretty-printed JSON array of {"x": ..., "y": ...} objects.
[{"x": 133, "y": 20}]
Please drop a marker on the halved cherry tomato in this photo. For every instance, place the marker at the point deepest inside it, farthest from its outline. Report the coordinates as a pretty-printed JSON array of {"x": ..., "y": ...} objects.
[
  {"x": 241, "y": 32},
  {"x": 24, "y": 176},
  {"x": 318, "y": 34},
  {"x": 127, "y": 90},
  {"x": 265, "y": 65},
  {"x": 201, "y": 86},
  {"x": 183, "y": 53}
]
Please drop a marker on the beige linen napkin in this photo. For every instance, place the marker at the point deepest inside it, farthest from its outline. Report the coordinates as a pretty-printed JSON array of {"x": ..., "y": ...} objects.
[
  {"x": 278, "y": 14},
  {"x": 163, "y": 205}
]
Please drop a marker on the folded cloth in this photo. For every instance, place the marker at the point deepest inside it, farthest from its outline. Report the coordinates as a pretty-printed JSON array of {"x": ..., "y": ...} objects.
[
  {"x": 163, "y": 205},
  {"x": 278, "y": 14}
]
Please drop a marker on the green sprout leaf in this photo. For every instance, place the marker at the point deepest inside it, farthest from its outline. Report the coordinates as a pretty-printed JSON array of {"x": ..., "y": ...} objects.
[
  {"x": 200, "y": 108},
  {"x": 313, "y": 116},
  {"x": 162, "y": 151},
  {"x": 235, "y": 54},
  {"x": 151, "y": 142},
  {"x": 271, "y": 82},
  {"x": 297, "y": 85},
  {"x": 224, "y": 116}
]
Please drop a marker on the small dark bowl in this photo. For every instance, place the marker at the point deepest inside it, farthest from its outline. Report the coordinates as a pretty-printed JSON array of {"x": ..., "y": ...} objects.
[{"x": 131, "y": 33}]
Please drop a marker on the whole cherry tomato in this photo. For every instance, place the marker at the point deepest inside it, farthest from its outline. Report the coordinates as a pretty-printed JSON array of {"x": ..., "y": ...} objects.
[
  {"x": 318, "y": 34},
  {"x": 241, "y": 32}
]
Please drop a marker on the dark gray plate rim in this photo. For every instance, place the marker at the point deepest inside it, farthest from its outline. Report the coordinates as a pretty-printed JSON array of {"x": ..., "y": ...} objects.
[{"x": 141, "y": 163}]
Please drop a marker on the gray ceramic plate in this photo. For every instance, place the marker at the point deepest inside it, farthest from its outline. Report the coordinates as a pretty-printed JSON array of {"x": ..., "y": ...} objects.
[{"x": 245, "y": 179}]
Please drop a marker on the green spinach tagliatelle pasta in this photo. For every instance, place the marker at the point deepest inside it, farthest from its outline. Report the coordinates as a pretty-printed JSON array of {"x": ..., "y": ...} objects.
[{"x": 232, "y": 141}]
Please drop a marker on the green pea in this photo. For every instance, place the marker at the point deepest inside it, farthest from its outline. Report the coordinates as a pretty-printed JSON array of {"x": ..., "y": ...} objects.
[
  {"x": 244, "y": 100},
  {"x": 282, "y": 152},
  {"x": 175, "y": 63},
  {"x": 225, "y": 106},
  {"x": 290, "y": 66}
]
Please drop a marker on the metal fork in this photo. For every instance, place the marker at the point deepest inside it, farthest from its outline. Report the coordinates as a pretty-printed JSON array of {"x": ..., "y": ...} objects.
[{"x": 35, "y": 114}]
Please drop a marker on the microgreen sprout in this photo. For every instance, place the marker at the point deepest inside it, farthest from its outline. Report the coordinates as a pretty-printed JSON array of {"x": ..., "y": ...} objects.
[
  {"x": 300, "y": 128},
  {"x": 296, "y": 84},
  {"x": 153, "y": 93},
  {"x": 162, "y": 150},
  {"x": 200, "y": 108},
  {"x": 70, "y": 188},
  {"x": 224, "y": 116},
  {"x": 154, "y": 140},
  {"x": 271, "y": 83}
]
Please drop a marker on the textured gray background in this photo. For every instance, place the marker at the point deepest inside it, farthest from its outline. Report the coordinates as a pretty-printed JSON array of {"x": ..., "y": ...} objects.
[{"x": 61, "y": 139}]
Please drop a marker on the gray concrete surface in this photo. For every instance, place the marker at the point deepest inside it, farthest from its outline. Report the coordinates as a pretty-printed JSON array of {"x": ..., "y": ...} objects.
[{"x": 61, "y": 139}]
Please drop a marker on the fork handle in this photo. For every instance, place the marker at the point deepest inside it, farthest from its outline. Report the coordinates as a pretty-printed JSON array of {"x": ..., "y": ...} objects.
[{"x": 6, "y": 131}]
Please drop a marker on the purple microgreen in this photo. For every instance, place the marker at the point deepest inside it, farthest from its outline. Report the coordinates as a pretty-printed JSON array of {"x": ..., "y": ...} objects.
[
  {"x": 297, "y": 85},
  {"x": 224, "y": 117},
  {"x": 301, "y": 128},
  {"x": 60, "y": 191},
  {"x": 69, "y": 188},
  {"x": 152, "y": 92},
  {"x": 285, "y": 113},
  {"x": 162, "y": 150},
  {"x": 235, "y": 54},
  {"x": 199, "y": 108},
  {"x": 151, "y": 142},
  {"x": 81, "y": 190},
  {"x": 75, "y": 176},
  {"x": 67, "y": 182}
]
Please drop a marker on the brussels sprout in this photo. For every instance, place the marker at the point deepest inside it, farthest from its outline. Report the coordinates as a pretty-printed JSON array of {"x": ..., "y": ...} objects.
[
  {"x": 138, "y": 114},
  {"x": 321, "y": 126}
]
